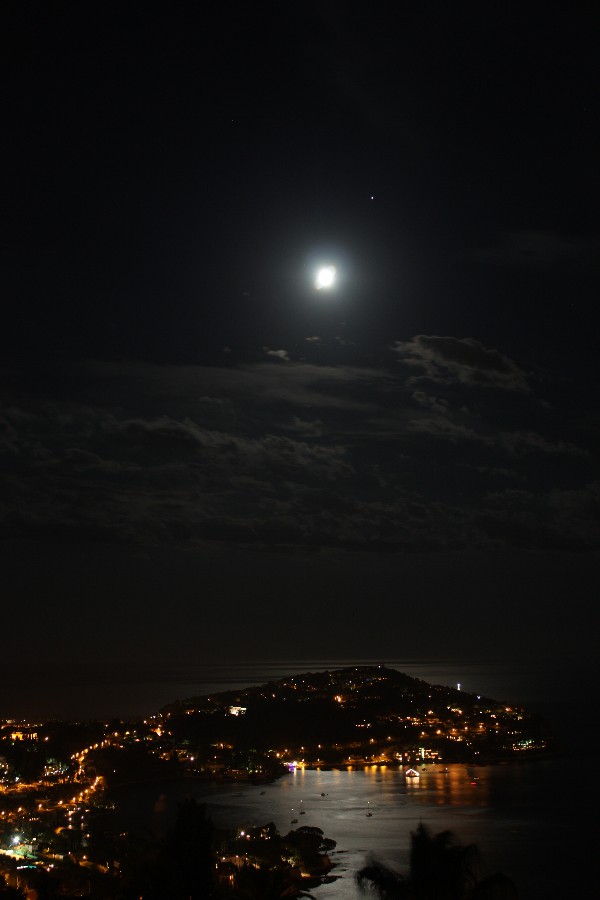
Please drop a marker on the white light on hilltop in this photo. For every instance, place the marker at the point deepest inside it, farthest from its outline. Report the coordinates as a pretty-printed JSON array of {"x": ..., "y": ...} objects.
[{"x": 325, "y": 277}]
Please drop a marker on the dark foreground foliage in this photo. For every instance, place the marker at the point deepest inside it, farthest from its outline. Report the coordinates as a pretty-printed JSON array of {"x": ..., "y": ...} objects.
[{"x": 440, "y": 869}]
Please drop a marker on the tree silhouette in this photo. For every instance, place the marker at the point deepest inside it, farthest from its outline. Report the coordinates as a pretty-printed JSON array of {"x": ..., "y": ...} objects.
[
  {"x": 266, "y": 883},
  {"x": 440, "y": 869},
  {"x": 181, "y": 866}
]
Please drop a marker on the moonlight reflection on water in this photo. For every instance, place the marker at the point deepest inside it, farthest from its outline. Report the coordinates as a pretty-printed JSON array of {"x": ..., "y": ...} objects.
[{"x": 512, "y": 813}]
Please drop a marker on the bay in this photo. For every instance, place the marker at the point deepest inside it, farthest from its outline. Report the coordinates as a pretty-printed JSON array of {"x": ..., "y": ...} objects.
[{"x": 523, "y": 817}]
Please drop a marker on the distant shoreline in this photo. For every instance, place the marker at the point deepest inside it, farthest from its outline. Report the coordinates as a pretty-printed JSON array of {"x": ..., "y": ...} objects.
[{"x": 239, "y": 783}]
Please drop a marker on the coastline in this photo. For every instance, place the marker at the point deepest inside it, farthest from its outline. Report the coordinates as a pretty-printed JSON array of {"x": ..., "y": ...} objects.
[{"x": 513, "y": 814}]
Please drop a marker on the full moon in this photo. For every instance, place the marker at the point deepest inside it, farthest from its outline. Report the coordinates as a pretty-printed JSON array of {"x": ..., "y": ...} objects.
[{"x": 325, "y": 278}]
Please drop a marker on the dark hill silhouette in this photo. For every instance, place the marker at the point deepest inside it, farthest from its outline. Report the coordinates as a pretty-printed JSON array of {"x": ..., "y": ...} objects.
[{"x": 345, "y": 707}]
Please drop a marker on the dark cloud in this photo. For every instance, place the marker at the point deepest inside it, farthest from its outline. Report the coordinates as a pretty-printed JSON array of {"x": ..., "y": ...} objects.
[
  {"x": 556, "y": 520},
  {"x": 435, "y": 404},
  {"x": 519, "y": 442},
  {"x": 448, "y": 359},
  {"x": 515, "y": 443},
  {"x": 297, "y": 455},
  {"x": 309, "y": 428}
]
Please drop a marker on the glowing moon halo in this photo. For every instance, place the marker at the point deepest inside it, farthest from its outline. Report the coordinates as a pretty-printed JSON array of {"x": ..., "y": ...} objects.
[{"x": 325, "y": 277}]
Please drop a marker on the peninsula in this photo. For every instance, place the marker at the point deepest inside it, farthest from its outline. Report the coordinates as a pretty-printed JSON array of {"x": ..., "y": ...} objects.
[{"x": 356, "y": 716}]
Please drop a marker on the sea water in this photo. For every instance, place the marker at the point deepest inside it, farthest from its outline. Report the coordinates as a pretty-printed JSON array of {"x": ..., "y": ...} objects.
[{"x": 523, "y": 818}]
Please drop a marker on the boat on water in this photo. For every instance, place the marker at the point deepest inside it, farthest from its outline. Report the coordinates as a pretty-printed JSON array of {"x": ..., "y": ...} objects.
[
  {"x": 411, "y": 773},
  {"x": 368, "y": 812}
]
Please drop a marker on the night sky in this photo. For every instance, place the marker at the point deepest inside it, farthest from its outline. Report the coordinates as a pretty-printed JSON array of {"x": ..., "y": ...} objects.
[{"x": 205, "y": 457}]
